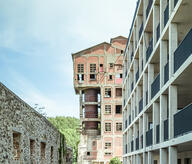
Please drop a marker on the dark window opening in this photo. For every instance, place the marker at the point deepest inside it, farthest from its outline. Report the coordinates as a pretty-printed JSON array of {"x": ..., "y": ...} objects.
[
  {"x": 110, "y": 77},
  {"x": 43, "y": 145},
  {"x": 121, "y": 51},
  {"x": 118, "y": 92},
  {"x": 88, "y": 153},
  {"x": 16, "y": 146},
  {"x": 118, "y": 109},
  {"x": 32, "y": 150},
  {"x": 107, "y": 92},
  {"x": 80, "y": 77},
  {"x": 121, "y": 75},
  {"x": 92, "y": 76},
  {"x": 111, "y": 65},
  {"x": 101, "y": 65}
]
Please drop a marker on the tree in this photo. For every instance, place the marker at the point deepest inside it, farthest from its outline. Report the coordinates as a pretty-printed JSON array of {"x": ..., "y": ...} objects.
[{"x": 115, "y": 160}]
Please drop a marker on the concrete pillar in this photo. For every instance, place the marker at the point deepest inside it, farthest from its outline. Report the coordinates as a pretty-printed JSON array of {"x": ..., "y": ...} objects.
[
  {"x": 163, "y": 60},
  {"x": 140, "y": 131},
  {"x": 163, "y": 156},
  {"x": 140, "y": 58},
  {"x": 162, "y": 8},
  {"x": 144, "y": 11},
  {"x": 136, "y": 67},
  {"x": 155, "y": 22},
  {"x": 138, "y": 97},
  {"x": 145, "y": 89},
  {"x": 173, "y": 43},
  {"x": 163, "y": 115},
  {"x": 172, "y": 155},
  {"x": 172, "y": 108},
  {"x": 155, "y": 119},
  {"x": 150, "y": 157},
  {"x": 138, "y": 159},
  {"x": 150, "y": 79},
  {"x": 145, "y": 128},
  {"x": 145, "y": 158}
]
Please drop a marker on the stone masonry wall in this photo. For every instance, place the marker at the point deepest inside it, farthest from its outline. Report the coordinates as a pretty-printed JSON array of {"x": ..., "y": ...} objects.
[{"x": 26, "y": 137}]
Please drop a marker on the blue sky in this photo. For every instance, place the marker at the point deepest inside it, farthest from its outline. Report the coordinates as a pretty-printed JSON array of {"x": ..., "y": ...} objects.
[{"x": 37, "y": 38}]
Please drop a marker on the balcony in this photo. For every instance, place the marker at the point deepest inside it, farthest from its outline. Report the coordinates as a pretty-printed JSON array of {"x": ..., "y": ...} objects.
[
  {"x": 157, "y": 134},
  {"x": 166, "y": 15},
  {"x": 137, "y": 143},
  {"x": 140, "y": 30},
  {"x": 137, "y": 75},
  {"x": 155, "y": 86},
  {"x": 149, "y": 137},
  {"x": 183, "y": 51},
  {"x": 183, "y": 121},
  {"x": 140, "y": 105},
  {"x": 148, "y": 7},
  {"x": 149, "y": 49},
  {"x": 158, "y": 32},
  {"x": 166, "y": 72},
  {"x": 166, "y": 130},
  {"x": 131, "y": 146}
]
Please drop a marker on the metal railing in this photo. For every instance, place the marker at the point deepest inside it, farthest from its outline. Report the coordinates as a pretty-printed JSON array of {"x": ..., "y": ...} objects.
[
  {"x": 183, "y": 51},
  {"x": 140, "y": 30},
  {"x": 158, "y": 32},
  {"x": 140, "y": 105},
  {"x": 157, "y": 134},
  {"x": 183, "y": 121},
  {"x": 149, "y": 49},
  {"x": 148, "y": 7},
  {"x": 149, "y": 137},
  {"x": 166, "y": 130},
  {"x": 166, "y": 72},
  {"x": 155, "y": 86},
  {"x": 137, "y": 143},
  {"x": 166, "y": 15}
]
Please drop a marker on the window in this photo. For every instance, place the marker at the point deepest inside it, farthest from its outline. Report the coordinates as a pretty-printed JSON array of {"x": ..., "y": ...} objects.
[
  {"x": 92, "y": 76},
  {"x": 110, "y": 77},
  {"x": 94, "y": 143},
  {"x": 107, "y": 153},
  {"x": 88, "y": 153},
  {"x": 118, "y": 109},
  {"x": 107, "y": 92},
  {"x": 107, "y": 145},
  {"x": 110, "y": 65},
  {"x": 80, "y": 77},
  {"x": 121, "y": 51},
  {"x": 107, "y": 109},
  {"x": 107, "y": 127},
  {"x": 51, "y": 154},
  {"x": 43, "y": 145},
  {"x": 16, "y": 146},
  {"x": 80, "y": 68},
  {"x": 101, "y": 65},
  {"x": 118, "y": 92},
  {"x": 32, "y": 150},
  {"x": 118, "y": 126},
  {"x": 121, "y": 75},
  {"x": 92, "y": 68}
]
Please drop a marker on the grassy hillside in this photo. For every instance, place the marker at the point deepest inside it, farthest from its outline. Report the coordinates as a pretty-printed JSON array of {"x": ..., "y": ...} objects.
[{"x": 68, "y": 126}]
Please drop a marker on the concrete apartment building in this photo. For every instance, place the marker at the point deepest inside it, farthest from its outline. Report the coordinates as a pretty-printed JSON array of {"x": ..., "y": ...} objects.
[
  {"x": 157, "y": 84},
  {"x": 98, "y": 82}
]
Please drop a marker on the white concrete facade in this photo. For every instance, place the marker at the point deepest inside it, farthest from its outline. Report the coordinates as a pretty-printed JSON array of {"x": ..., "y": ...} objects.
[{"x": 157, "y": 84}]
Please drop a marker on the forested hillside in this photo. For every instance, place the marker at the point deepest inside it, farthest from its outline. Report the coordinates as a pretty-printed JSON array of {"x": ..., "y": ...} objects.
[{"x": 68, "y": 126}]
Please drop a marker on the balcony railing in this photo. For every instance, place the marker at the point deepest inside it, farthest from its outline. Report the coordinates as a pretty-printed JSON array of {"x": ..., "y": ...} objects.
[
  {"x": 149, "y": 50},
  {"x": 155, "y": 86},
  {"x": 141, "y": 105},
  {"x": 140, "y": 30},
  {"x": 158, "y": 32},
  {"x": 183, "y": 51},
  {"x": 131, "y": 146},
  {"x": 166, "y": 15},
  {"x": 148, "y": 7},
  {"x": 183, "y": 121},
  {"x": 157, "y": 134},
  {"x": 137, "y": 143},
  {"x": 137, "y": 75},
  {"x": 149, "y": 137},
  {"x": 166, "y": 72},
  {"x": 166, "y": 130}
]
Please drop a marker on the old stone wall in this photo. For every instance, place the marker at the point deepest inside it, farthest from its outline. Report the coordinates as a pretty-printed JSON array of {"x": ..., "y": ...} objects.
[{"x": 27, "y": 137}]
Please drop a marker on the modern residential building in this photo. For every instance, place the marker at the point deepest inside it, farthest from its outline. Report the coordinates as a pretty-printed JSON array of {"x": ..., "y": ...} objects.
[
  {"x": 157, "y": 84},
  {"x": 98, "y": 82}
]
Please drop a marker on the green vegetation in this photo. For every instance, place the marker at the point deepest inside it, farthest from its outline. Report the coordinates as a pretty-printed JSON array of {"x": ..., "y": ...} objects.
[
  {"x": 115, "y": 160},
  {"x": 68, "y": 126}
]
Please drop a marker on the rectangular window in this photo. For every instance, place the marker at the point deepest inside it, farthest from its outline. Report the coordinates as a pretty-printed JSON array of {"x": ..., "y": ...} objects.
[
  {"x": 118, "y": 92},
  {"x": 88, "y": 153},
  {"x": 80, "y": 68},
  {"x": 118, "y": 109},
  {"x": 107, "y": 109},
  {"x": 92, "y": 68},
  {"x": 92, "y": 76},
  {"x": 107, "y": 145},
  {"x": 43, "y": 145},
  {"x": 118, "y": 126},
  {"x": 16, "y": 146},
  {"x": 107, "y": 127},
  {"x": 80, "y": 77},
  {"x": 107, "y": 92},
  {"x": 110, "y": 65},
  {"x": 110, "y": 77},
  {"x": 32, "y": 150},
  {"x": 52, "y": 157},
  {"x": 107, "y": 153}
]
